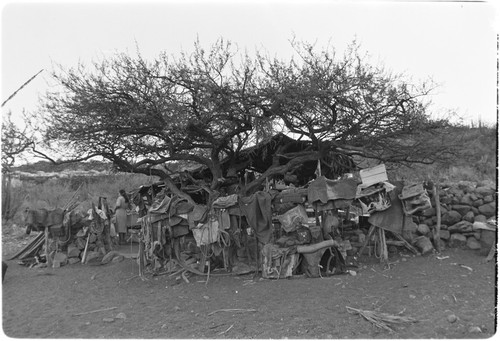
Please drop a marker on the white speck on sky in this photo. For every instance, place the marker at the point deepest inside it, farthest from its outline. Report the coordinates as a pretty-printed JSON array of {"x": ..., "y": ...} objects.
[{"x": 454, "y": 43}]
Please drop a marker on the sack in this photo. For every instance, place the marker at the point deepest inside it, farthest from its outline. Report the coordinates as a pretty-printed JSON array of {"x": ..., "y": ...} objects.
[
  {"x": 207, "y": 233},
  {"x": 293, "y": 219},
  {"x": 278, "y": 262}
]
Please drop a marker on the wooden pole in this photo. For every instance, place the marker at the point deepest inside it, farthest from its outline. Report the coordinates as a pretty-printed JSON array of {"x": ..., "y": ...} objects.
[
  {"x": 141, "y": 258},
  {"x": 436, "y": 232},
  {"x": 47, "y": 251},
  {"x": 384, "y": 255},
  {"x": 257, "y": 257},
  {"x": 84, "y": 258}
]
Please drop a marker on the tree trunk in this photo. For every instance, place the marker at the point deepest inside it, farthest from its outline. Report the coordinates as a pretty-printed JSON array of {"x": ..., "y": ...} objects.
[
  {"x": 6, "y": 195},
  {"x": 280, "y": 170},
  {"x": 175, "y": 190}
]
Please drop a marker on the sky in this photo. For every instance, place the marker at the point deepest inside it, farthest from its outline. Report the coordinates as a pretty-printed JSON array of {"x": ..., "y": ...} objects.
[{"x": 452, "y": 43}]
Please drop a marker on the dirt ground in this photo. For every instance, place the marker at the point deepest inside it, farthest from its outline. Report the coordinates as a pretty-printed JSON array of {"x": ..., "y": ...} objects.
[{"x": 111, "y": 301}]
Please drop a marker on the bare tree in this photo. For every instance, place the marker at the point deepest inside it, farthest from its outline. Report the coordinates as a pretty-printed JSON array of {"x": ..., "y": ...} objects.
[
  {"x": 355, "y": 108},
  {"x": 206, "y": 107}
]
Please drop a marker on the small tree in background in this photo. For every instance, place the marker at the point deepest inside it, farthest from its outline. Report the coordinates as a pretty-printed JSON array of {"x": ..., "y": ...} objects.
[{"x": 14, "y": 142}]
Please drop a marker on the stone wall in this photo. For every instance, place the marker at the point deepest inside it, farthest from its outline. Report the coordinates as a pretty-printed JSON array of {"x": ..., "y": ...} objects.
[{"x": 462, "y": 204}]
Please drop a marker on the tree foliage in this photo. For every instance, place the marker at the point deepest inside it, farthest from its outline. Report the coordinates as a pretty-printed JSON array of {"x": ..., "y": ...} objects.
[
  {"x": 207, "y": 106},
  {"x": 14, "y": 142}
]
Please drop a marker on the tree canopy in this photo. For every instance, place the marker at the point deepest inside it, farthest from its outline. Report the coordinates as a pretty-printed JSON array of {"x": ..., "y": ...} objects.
[{"x": 207, "y": 106}]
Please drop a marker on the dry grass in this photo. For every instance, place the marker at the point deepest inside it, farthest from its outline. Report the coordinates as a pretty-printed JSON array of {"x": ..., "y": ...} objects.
[{"x": 381, "y": 320}]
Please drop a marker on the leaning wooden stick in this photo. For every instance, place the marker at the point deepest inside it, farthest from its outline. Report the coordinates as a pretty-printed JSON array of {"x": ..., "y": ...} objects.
[{"x": 84, "y": 258}]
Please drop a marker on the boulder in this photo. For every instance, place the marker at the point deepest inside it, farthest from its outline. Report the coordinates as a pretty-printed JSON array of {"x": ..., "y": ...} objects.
[
  {"x": 462, "y": 209},
  {"x": 92, "y": 238},
  {"x": 73, "y": 251},
  {"x": 423, "y": 244},
  {"x": 451, "y": 217},
  {"x": 430, "y": 222},
  {"x": 488, "y": 237},
  {"x": 478, "y": 202},
  {"x": 486, "y": 183},
  {"x": 461, "y": 227},
  {"x": 430, "y": 212},
  {"x": 480, "y": 218},
  {"x": 485, "y": 190},
  {"x": 109, "y": 257},
  {"x": 480, "y": 225},
  {"x": 423, "y": 229},
  {"x": 457, "y": 192},
  {"x": 473, "y": 243},
  {"x": 473, "y": 196},
  {"x": 444, "y": 234},
  {"x": 457, "y": 240},
  {"x": 80, "y": 243},
  {"x": 488, "y": 198},
  {"x": 92, "y": 255},
  {"x": 445, "y": 200},
  {"x": 469, "y": 216},
  {"x": 73, "y": 260},
  {"x": 488, "y": 210},
  {"x": 467, "y": 186},
  {"x": 467, "y": 199}
]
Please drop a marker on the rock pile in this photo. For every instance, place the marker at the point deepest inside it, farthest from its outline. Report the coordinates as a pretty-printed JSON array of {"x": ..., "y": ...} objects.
[{"x": 465, "y": 209}]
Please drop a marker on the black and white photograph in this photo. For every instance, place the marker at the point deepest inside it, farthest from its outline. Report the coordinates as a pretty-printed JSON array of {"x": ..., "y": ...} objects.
[{"x": 209, "y": 169}]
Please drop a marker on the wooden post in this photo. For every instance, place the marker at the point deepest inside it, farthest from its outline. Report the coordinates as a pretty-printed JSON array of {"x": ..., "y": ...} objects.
[
  {"x": 384, "y": 255},
  {"x": 257, "y": 257},
  {"x": 203, "y": 260},
  {"x": 141, "y": 258},
  {"x": 107, "y": 227},
  {"x": 367, "y": 240},
  {"x": 47, "y": 251},
  {"x": 436, "y": 236}
]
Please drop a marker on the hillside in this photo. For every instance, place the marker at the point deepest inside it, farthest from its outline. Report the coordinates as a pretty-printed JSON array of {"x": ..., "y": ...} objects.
[
  {"x": 48, "y": 167},
  {"x": 478, "y": 160}
]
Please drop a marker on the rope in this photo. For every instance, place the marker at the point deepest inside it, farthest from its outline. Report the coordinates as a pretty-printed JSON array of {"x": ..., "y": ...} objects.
[{"x": 224, "y": 239}]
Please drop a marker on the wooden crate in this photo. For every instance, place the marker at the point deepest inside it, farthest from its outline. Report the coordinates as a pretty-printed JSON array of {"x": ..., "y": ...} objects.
[{"x": 373, "y": 175}]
